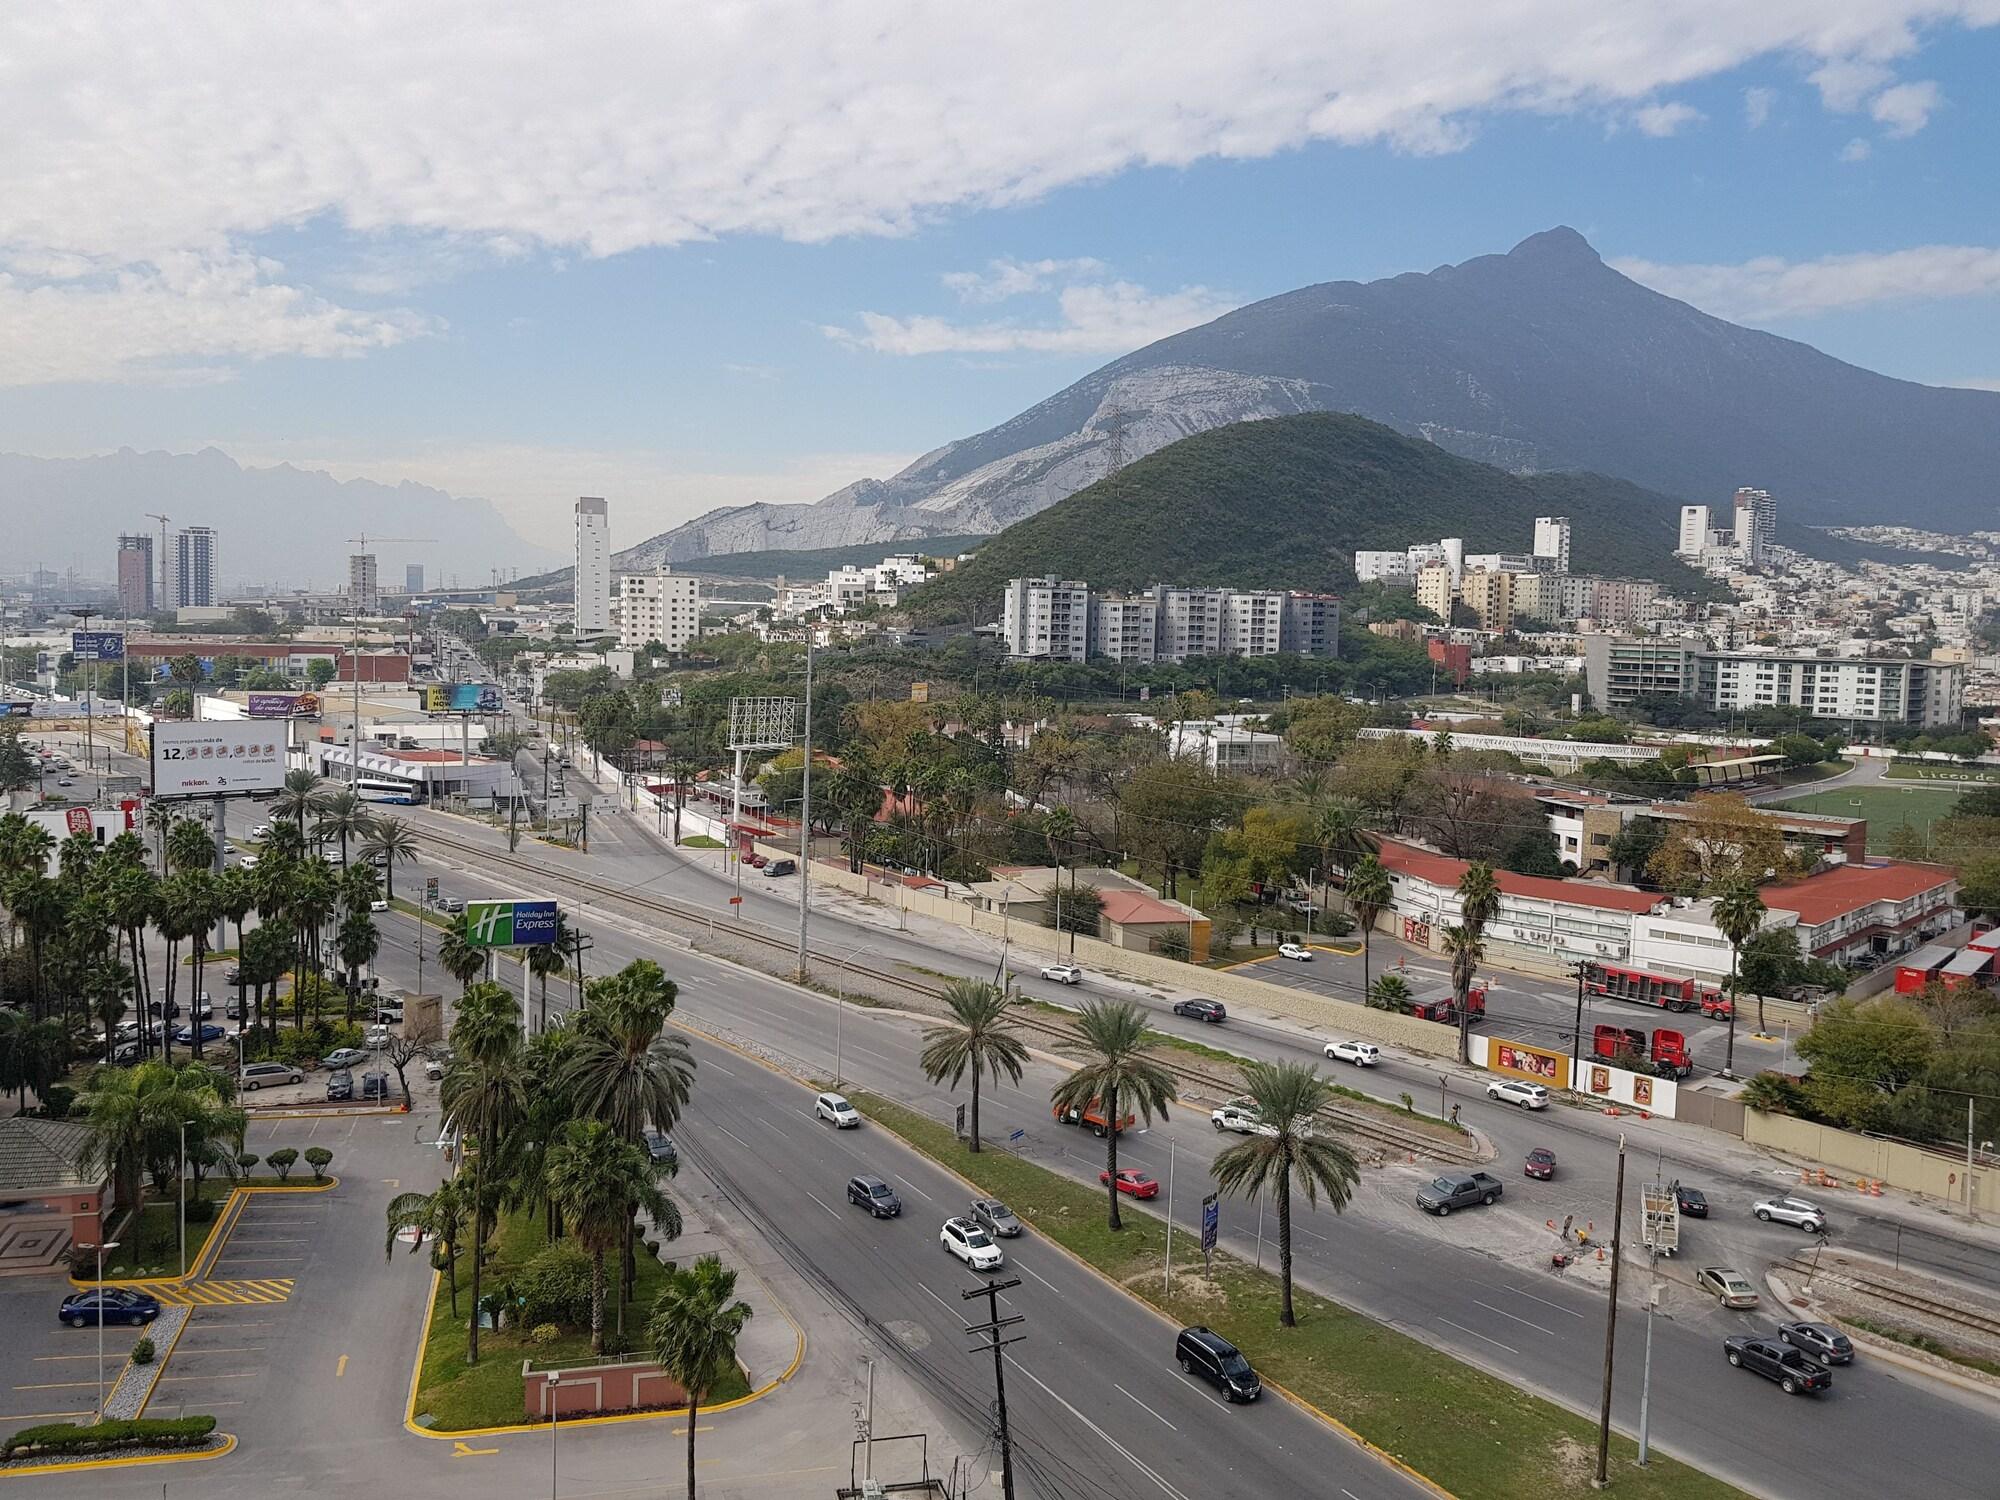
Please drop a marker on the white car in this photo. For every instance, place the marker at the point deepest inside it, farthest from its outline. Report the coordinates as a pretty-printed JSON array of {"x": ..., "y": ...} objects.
[
  {"x": 970, "y": 1242},
  {"x": 1241, "y": 1118},
  {"x": 375, "y": 1036},
  {"x": 1361, "y": 1054},
  {"x": 262, "y": 830},
  {"x": 1794, "y": 1211},
  {"x": 378, "y": 906},
  {"x": 835, "y": 1109},
  {"x": 1063, "y": 973},
  {"x": 1295, "y": 950},
  {"x": 1513, "y": 1091}
]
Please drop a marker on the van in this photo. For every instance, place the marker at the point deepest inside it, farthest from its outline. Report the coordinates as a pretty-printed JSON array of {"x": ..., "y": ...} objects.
[
  {"x": 1092, "y": 1114},
  {"x": 1209, "y": 1356},
  {"x": 259, "y": 1075}
]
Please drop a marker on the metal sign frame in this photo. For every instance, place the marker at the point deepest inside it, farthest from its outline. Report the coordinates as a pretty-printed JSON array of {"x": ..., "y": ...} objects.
[
  {"x": 1660, "y": 1219},
  {"x": 762, "y": 723}
]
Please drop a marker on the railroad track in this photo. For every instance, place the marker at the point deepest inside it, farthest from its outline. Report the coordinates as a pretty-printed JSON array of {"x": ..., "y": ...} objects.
[
  {"x": 1944, "y": 1312},
  {"x": 1209, "y": 1084}
]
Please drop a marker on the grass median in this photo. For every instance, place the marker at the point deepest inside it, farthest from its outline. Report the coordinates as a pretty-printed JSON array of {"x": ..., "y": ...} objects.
[{"x": 1468, "y": 1431}]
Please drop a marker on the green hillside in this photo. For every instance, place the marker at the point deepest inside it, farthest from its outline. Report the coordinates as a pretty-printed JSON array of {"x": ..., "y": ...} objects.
[{"x": 1285, "y": 503}]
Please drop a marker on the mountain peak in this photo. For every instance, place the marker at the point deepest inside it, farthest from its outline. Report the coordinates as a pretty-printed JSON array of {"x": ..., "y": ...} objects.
[{"x": 1561, "y": 243}]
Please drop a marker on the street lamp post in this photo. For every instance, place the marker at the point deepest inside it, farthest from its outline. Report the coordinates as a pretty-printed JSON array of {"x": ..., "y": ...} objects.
[
  {"x": 183, "y": 1197},
  {"x": 100, "y": 1247},
  {"x": 840, "y": 1007},
  {"x": 550, "y": 1390}
]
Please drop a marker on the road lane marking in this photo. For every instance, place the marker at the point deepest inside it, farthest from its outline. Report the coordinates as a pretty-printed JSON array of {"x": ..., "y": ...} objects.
[
  {"x": 820, "y": 1201},
  {"x": 463, "y": 1450},
  {"x": 735, "y": 1137},
  {"x": 1553, "y": 1306},
  {"x": 1478, "y": 1335},
  {"x": 942, "y": 1303},
  {"x": 1505, "y": 1314},
  {"x": 1039, "y": 1277},
  {"x": 716, "y": 1067},
  {"x": 915, "y": 1189},
  {"x": 1109, "y": 1441},
  {"x": 1142, "y": 1405},
  {"x": 1202, "y": 1390}
]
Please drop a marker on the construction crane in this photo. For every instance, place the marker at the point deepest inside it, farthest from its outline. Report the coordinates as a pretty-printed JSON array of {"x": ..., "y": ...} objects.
[
  {"x": 363, "y": 541},
  {"x": 162, "y": 604}
]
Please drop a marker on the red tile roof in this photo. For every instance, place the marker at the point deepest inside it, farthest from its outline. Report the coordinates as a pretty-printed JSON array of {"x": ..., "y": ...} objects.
[
  {"x": 1129, "y": 907},
  {"x": 1850, "y": 887},
  {"x": 1442, "y": 870}
]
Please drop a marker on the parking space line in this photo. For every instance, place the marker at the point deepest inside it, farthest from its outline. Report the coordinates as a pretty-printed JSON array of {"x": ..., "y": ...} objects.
[{"x": 60, "y": 1385}]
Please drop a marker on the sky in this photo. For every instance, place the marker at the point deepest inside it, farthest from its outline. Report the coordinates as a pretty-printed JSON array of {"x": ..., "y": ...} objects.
[{"x": 685, "y": 256}]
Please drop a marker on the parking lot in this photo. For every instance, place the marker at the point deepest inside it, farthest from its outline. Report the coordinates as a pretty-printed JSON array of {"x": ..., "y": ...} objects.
[{"x": 51, "y": 1370}]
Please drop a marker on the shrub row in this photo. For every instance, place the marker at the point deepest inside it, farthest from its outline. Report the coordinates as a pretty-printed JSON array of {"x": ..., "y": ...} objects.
[{"x": 59, "y": 1438}]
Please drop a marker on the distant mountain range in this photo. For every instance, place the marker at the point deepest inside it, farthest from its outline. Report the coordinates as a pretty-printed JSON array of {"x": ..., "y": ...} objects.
[
  {"x": 1285, "y": 502},
  {"x": 1541, "y": 359},
  {"x": 279, "y": 525}
]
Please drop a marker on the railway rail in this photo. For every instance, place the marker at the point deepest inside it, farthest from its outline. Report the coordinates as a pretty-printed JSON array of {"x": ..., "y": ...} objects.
[{"x": 1896, "y": 1296}]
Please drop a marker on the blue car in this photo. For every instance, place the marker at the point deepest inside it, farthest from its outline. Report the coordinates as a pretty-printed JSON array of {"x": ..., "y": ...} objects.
[
  {"x": 111, "y": 1304},
  {"x": 210, "y": 1032}
]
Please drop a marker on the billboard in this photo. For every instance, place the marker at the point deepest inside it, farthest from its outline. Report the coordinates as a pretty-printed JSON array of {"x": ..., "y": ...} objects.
[
  {"x": 217, "y": 757},
  {"x": 462, "y": 698},
  {"x": 284, "y": 705},
  {"x": 97, "y": 645},
  {"x": 1536, "y": 1063},
  {"x": 17, "y": 708},
  {"x": 509, "y": 924}
]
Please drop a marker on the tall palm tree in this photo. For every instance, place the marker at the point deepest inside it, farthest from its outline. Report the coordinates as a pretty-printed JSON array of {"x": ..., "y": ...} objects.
[
  {"x": 190, "y": 846},
  {"x": 301, "y": 795},
  {"x": 979, "y": 1039},
  {"x": 693, "y": 1333},
  {"x": 460, "y": 957},
  {"x": 545, "y": 960},
  {"x": 1341, "y": 831},
  {"x": 484, "y": 1095},
  {"x": 38, "y": 909},
  {"x": 1478, "y": 904},
  {"x": 314, "y": 897},
  {"x": 1117, "y": 1075},
  {"x": 438, "y": 1216},
  {"x": 625, "y": 1068},
  {"x": 121, "y": 1123},
  {"x": 1463, "y": 947},
  {"x": 389, "y": 840},
  {"x": 342, "y": 815},
  {"x": 1369, "y": 894},
  {"x": 1289, "y": 1147},
  {"x": 1738, "y": 913},
  {"x": 159, "y": 819},
  {"x": 235, "y": 899},
  {"x": 594, "y": 1175},
  {"x": 193, "y": 895},
  {"x": 358, "y": 943}
]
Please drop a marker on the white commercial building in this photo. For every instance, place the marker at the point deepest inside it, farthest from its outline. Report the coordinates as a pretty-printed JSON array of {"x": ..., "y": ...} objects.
[
  {"x": 1694, "y": 531},
  {"x": 662, "y": 606},
  {"x": 1225, "y": 746},
  {"x": 1046, "y": 617},
  {"x": 593, "y": 567},
  {"x": 1391, "y": 569}
]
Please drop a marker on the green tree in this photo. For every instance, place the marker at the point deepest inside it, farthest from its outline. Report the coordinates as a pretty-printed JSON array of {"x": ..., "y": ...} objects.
[
  {"x": 979, "y": 1039},
  {"x": 319, "y": 672},
  {"x": 389, "y": 840},
  {"x": 1390, "y": 992},
  {"x": 302, "y": 794},
  {"x": 461, "y": 957},
  {"x": 1738, "y": 912},
  {"x": 1464, "y": 949},
  {"x": 438, "y": 1216},
  {"x": 485, "y": 1094},
  {"x": 1478, "y": 904},
  {"x": 626, "y": 1069},
  {"x": 1861, "y": 1054},
  {"x": 1369, "y": 894},
  {"x": 1118, "y": 1075},
  {"x": 1290, "y": 1147},
  {"x": 317, "y": 1158},
  {"x": 342, "y": 815},
  {"x": 593, "y": 1177},
  {"x": 693, "y": 1333},
  {"x": 282, "y": 1161}
]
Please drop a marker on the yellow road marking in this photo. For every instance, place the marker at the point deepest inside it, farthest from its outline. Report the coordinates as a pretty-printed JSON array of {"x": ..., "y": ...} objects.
[
  {"x": 341, "y": 1368},
  {"x": 28, "y": 1416},
  {"x": 461, "y": 1450},
  {"x": 394, "y": 1182},
  {"x": 60, "y": 1385}
]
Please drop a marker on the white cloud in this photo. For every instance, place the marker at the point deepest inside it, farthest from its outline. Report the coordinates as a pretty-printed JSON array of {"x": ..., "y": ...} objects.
[
  {"x": 1660, "y": 120},
  {"x": 140, "y": 133},
  {"x": 1906, "y": 108},
  {"x": 1006, "y": 278},
  {"x": 1109, "y": 317},
  {"x": 187, "y": 319},
  {"x": 1857, "y": 149},
  {"x": 1757, "y": 104},
  {"x": 1771, "y": 288}
]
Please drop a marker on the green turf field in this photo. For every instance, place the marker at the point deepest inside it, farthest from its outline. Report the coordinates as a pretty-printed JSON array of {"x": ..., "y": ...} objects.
[
  {"x": 1886, "y": 808},
  {"x": 1903, "y": 770}
]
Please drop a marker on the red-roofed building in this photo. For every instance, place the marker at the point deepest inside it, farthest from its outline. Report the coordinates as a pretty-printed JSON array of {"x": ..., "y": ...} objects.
[
  {"x": 1563, "y": 919},
  {"x": 1868, "y": 908}
]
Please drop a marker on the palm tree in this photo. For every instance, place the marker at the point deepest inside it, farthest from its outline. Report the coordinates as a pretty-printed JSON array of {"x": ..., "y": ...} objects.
[
  {"x": 115, "y": 1109},
  {"x": 546, "y": 959},
  {"x": 978, "y": 1039},
  {"x": 625, "y": 1069},
  {"x": 358, "y": 942},
  {"x": 190, "y": 846},
  {"x": 460, "y": 957},
  {"x": 1369, "y": 894},
  {"x": 484, "y": 1094},
  {"x": 37, "y": 906},
  {"x": 235, "y": 899},
  {"x": 693, "y": 1331},
  {"x": 1340, "y": 829},
  {"x": 199, "y": 912},
  {"x": 1390, "y": 992},
  {"x": 1465, "y": 950},
  {"x": 439, "y": 1216},
  {"x": 302, "y": 793},
  {"x": 1478, "y": 904},
  {"x": 342, "y": 814},
  {"x": 1738, "y": 912},
  {"x": 1118, "y": 1073},
  {"x": 389, "y": 839},
  {"x": 593, "y": 1177},
  {"x": 1288, "y": 1147},
  {"x": 160, "y": 818}
]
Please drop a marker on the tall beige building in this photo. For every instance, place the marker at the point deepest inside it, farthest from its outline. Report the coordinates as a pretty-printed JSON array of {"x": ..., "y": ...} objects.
[
  {"x": 593, "y": 567},
  {"x": 1490, "y": 595},
  {"x": 1434, "y": 590}
]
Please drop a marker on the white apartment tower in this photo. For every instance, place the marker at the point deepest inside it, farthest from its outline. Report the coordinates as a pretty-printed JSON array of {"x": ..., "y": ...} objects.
[
  {"x": 1694, "y": 531},
  {"x": 662, "y": 606},
  {"x": 1552, "y": 544},
  {"x": 593, "y": 567},
  {"x": 363, "y": 584},
  {"x": 1756, "y": 525},
  {"x": 193, "y": 568},
  {"x": 1047, "y": 617}
]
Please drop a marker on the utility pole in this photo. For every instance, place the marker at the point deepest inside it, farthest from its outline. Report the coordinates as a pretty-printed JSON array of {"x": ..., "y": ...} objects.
[
  {"x": 89, "y": 694},
  {"x": 354, "y": 735},
  {"x": 1611, "y": 1327},
  {"x": 806, "y": 821},
  {"x": 991, "y": 1328},
  {"x": 1576, "y": 1042}
]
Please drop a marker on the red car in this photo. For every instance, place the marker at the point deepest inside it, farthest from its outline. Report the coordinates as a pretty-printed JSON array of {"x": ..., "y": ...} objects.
[
  {"x": 1135, "y": 1182},
  {"x": 1541, "y": 1163}
]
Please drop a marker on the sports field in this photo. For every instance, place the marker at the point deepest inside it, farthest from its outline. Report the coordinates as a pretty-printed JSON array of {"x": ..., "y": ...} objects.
[
  {"x": 1886, "y": 808},
  {"x": 1903, "y": 770}
]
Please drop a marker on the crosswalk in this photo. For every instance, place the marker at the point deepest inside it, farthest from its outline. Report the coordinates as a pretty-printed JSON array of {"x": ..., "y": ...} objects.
[{"x": 218, "y": 1293}]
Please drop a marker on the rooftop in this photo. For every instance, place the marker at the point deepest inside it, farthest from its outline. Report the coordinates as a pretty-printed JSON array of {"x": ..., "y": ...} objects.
[
  {"x": 1849, "y": 887},
  {"x": 1128, "y": 908},
  {"x": 44, "y": 1154},
  {"x": 1442, "y": 869}
]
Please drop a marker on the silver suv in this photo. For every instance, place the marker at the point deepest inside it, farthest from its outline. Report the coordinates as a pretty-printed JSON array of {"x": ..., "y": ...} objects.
[{"x": 1794, "y": 1211}]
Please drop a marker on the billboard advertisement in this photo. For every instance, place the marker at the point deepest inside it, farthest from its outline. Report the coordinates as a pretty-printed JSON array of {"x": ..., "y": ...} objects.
[
  {"x": 20, "y": 708},
  {"x": 97, "y": 645},
  {"x": 284, "y": 705},
  {"x": 509, "y": 924},
  {"x": 217, "y": 757},
  {"x": 462, "y": 698},
  {"x": 1535, "y": 1063}
]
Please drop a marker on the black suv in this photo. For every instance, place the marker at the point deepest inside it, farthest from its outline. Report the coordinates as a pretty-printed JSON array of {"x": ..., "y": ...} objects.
[
  {"x": 1201, "y": 1010},
  {"x": 875, "y": 1195},
  {"x": 1213, "y": 1358},
  {"x": 1458, "y": 1190},
  {"x": 340, "y": 1085},
  {"x": 1780, "y": 1362}
]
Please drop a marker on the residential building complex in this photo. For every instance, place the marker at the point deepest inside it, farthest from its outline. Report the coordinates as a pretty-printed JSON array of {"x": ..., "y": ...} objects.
[
  {"x": 1064, "y": 619},
  {"x": 662, "y": 606},
  {"x": 193, "y": 584},
  {"x": 363, "y": 583},
  {"x": 135, "y": 576},
  {"x": 593, "y": 567},
  {"x": 1882, "y": 690},
  {"x": 1046, "y": 617},
  {"x": 1744, "y": 540}
]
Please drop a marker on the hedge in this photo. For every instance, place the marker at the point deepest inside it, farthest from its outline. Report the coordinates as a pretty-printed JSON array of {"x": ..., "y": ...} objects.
[{"x": 69, "y": 1437}]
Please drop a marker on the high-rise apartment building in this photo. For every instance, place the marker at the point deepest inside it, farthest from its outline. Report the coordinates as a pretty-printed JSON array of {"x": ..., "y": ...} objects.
[
  {"x": 1756, "y": 525},
  {"x": 363, "y": 584},
  {"x": 1489, "y": 595},
  {"x": 1552, "y": 544},
  {"x": 413, "y": 578},
  {"x": 1881, "y": 690},
  {"x": 1436, "y": 589},
  {"x": 593, "y": 567},
  {"x": 135, "y": 576},
  {"x": 1252, "y": 623},
  {"x": 662, "y": 606},
  {"x": 1046, "y": 617},
  {"x": 1694, "y": 531},
  {"x": 193, "y": 568},
  {"x": 1616, "y": 603},
  {"x": 1192, "y": 622},
  {"x": 1311, "y": 625}
]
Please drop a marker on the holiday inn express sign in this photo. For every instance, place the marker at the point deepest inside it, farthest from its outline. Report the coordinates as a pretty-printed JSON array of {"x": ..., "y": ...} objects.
[{"x": 510, "y": 924}]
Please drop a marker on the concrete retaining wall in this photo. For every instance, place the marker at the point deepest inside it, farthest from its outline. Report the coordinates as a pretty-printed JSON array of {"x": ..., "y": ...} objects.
[
  {"x": 1893, "y": 1162},
  {"x": 637, "y": 1386}
]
